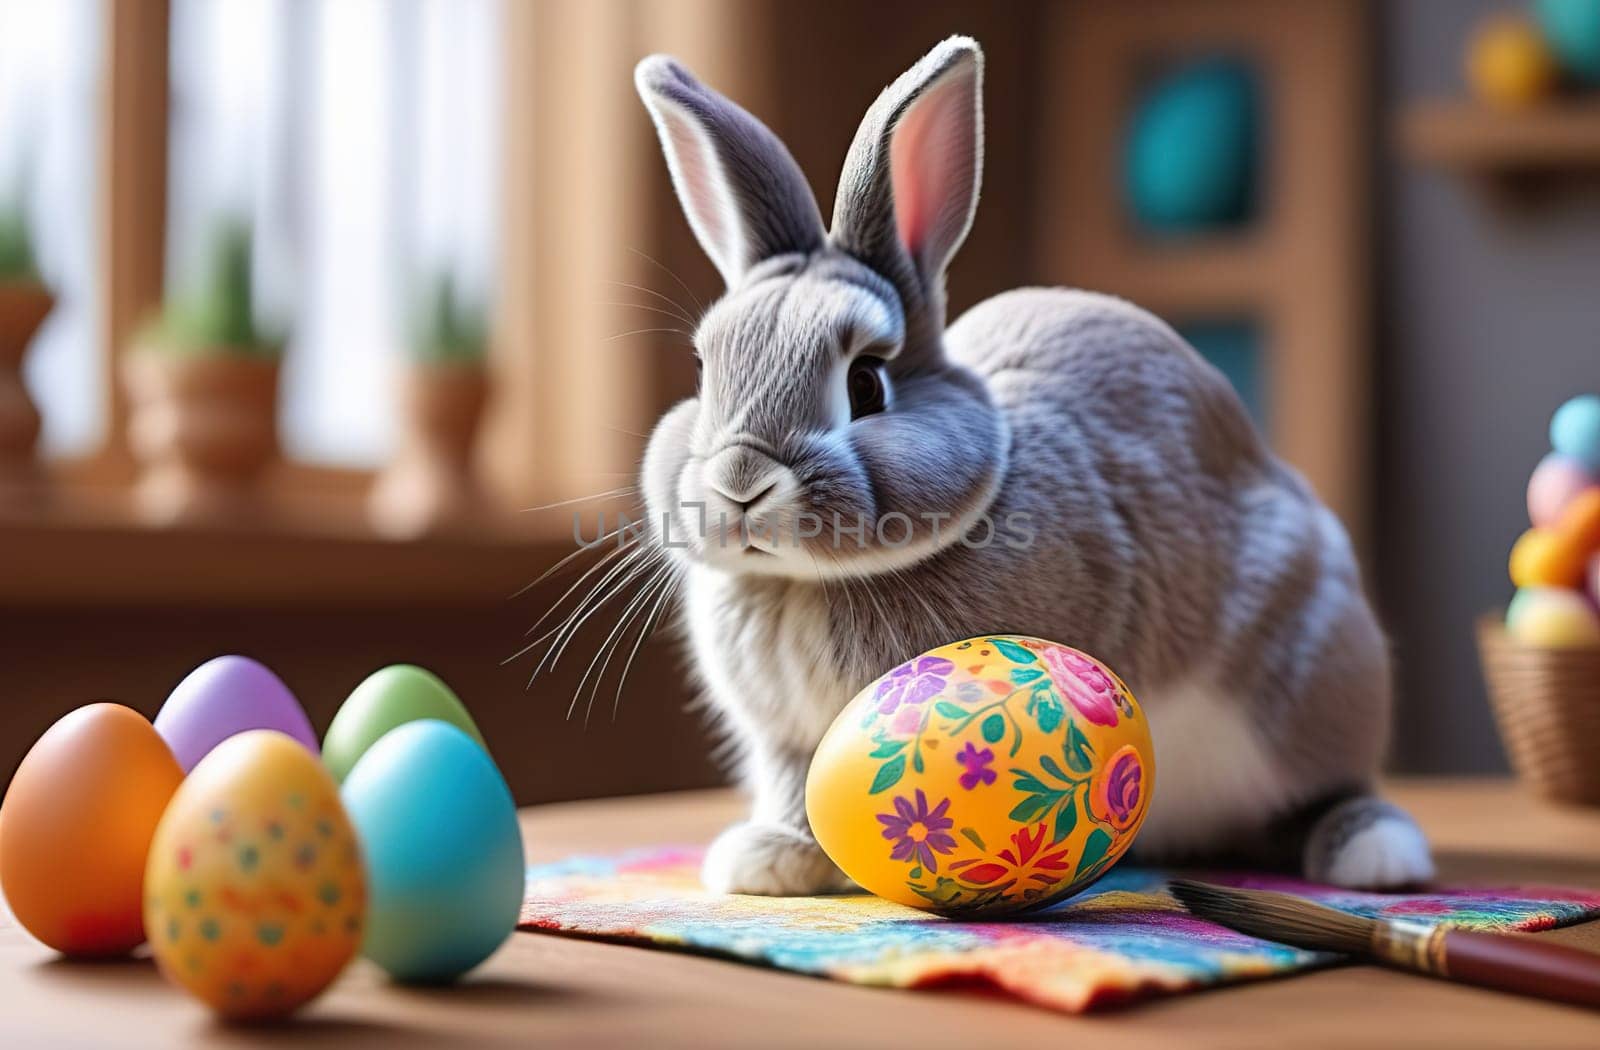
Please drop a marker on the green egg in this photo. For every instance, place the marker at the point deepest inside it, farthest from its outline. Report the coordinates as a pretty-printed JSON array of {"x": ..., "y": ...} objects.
[{"x": 388, "y": 698}]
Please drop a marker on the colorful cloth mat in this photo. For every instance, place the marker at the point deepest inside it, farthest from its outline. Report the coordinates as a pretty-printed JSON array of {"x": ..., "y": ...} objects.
[{"x": 1122, "y": 939}]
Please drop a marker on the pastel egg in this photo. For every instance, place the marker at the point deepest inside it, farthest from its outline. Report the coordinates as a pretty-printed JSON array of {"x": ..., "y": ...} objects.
[
  {"x": 443, "y": 848},
  {"x": 1553, "y": 618},
  {"x": 986, "y": 776},
  {"x": 1575, "y": 431},
  {"x": 388, "y": 698},
  {"x": 224, "y": 696},
  {"x": 1557, "y": 556},
  {"x": 1556, "y": 481},
  {"x": 255, "y": 889},
  {"x": 76, "y": 825}
]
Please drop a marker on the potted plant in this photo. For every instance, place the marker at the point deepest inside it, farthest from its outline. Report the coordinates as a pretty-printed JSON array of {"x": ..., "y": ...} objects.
[
  {"x": 24, "y": 304},
  {"x": 202, "y": 383},
  {"x": 430, "y": 484}
]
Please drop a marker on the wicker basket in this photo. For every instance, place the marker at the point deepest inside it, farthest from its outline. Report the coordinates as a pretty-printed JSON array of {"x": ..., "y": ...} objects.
[{"x": 1547, "y": 705}]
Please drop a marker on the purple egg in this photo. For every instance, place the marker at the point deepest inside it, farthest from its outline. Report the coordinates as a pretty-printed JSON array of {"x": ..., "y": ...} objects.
[{"x": 224, "y": 696}]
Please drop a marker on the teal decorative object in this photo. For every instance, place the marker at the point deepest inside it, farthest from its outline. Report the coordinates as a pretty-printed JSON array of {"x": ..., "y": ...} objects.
[
  {"x": 1234, "y": 347},
  {"x": 1192, "y": 148},
  {"x": 1572, "y": 29},
  {"x": 444, "y": 858}
]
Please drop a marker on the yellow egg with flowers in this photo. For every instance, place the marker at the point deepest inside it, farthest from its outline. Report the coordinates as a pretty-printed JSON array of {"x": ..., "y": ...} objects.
[{"x": 991, "y": 775}]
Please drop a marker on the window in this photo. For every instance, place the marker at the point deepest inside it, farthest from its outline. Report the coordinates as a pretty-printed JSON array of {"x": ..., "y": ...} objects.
[
  {"x": 361, "y": 139},
  {"x": 49, "y": 76}
]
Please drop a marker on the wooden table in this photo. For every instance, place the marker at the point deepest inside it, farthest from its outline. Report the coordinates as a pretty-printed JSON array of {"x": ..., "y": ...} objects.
[{"x": 543, "y": 990}]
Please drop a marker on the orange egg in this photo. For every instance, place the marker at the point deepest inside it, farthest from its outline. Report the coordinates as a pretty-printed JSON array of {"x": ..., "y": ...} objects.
[{"x": 76, "y": 826}]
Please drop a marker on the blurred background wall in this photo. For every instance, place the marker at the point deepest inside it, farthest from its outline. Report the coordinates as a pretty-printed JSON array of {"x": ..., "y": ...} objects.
[
  {"x": 1489, "y": 322},
  {"x": 428, "y": 252}
]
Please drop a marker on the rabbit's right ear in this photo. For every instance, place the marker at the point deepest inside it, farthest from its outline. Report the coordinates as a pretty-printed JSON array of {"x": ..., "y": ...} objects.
[{"x": 742, "y": 191}]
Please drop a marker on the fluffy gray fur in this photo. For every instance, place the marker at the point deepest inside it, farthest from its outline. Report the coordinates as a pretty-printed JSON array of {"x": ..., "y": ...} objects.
[{"x": 1165, "y": 538}]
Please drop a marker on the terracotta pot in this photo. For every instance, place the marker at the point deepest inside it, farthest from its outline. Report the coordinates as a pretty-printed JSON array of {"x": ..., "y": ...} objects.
[
  {"x": 430, "y": 485},
  {"x": 203, "y": 426},
  {"x": 23, "y": 307}
]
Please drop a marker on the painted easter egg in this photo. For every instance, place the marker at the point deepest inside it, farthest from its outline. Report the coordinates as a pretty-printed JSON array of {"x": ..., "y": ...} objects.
[
  {"x": 1190, "y": 159},
  {"x": 1508, "y": 62},
  {"x": 444, "y": 851},
  {"x": 1553, "y": 618},
  {"x": 224, "y": 696},
  {"x": 1556, "y": 481},
  {"x": 76, "y": 825},
  {"x": 255, "y": 890},
  {"x": 1573, "y": 29},
  {"x": 1575, "y": 431},
  {"x": 388, "y": 698},
  {"x": 986, "y": 776}
]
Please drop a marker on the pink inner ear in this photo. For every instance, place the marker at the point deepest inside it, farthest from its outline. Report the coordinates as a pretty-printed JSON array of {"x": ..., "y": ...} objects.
[
  {"x": 931, "y": 163},
  {"x": 700, "y": 186}
]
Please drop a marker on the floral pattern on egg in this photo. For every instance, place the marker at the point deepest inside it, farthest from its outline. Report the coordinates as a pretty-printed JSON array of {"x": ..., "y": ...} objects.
[{"x": 999, "y": 773}]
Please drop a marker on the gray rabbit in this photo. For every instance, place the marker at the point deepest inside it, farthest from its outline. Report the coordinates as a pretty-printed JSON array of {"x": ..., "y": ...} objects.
[{"x": 856, "y": 483}]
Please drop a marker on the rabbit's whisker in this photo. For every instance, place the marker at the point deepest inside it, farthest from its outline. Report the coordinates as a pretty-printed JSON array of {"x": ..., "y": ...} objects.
[
  {"x": 622, "y": 490},
  {"x": 608, "y": 647},
  {"x": 564, "y": 637},
  {"x": 599, "y": 563},
  {"x": 649, "y": 628},
  {"x": 558, "y": 603},
  {"x": 647, "y": 331},
  {"x": 652, "y": 309},
  {"x": 563, "y": 563},
  {"x": 683, "y": 312},
  {"x": 664, "y": 268},
  {"x": 535, "y": 643}
]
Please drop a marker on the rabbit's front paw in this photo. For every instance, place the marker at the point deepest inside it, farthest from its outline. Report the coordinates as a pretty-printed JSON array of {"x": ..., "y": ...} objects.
[
  {"x": 771, "y": 860},
  {"x": 1368, "y": 844}
]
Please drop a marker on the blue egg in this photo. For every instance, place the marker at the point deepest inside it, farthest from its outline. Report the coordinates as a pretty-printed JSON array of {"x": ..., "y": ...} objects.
[
  {"x": 443, "y": 851},
  {"x": 1572, "y": 29},
  {"x": 1575, "y": 431},
  {"x": 1191, "y": 153}
]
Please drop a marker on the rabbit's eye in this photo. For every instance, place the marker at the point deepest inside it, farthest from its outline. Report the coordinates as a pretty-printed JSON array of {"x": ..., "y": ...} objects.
[{"x": 868, "y": 385}]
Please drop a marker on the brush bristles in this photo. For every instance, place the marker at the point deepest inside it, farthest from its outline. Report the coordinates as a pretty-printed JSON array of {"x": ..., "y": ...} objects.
[{"x": 1278, "y": 917}]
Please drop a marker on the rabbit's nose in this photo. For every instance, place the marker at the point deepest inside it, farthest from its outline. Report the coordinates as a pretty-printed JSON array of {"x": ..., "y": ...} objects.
[{"x": 744, "y": 477}]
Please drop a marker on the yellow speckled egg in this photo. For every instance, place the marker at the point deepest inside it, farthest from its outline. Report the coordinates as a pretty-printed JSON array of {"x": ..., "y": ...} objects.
[
  {"x": 255, "y": 893},
  {"x": 985, "y": 776}
]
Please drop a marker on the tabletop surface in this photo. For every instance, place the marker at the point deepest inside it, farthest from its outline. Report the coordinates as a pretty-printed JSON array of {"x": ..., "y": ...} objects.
[{"x": 559, "y": 991}]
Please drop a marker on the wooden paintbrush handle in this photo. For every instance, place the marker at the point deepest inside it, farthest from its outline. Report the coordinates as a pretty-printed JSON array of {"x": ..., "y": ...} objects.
[{"x": 1526, "y": 965}]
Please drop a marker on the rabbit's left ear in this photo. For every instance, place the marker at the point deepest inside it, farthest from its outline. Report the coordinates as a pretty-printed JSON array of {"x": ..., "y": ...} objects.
[{"x": 910, "y": 183}]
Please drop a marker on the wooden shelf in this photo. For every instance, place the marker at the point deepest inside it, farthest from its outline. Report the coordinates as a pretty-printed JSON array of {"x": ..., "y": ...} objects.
[
  {"x": 1215, "y": 274},
  {"x": 93, "y": 552},
  {"x": 1560, "y": 138}
]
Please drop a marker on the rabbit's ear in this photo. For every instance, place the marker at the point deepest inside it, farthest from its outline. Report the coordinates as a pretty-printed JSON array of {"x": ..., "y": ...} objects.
[
  {"x": 910, "y": 182},
  {"x": 743, "y": 193}
]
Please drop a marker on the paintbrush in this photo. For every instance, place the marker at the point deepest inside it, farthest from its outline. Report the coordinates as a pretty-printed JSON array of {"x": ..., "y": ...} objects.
[{"x": 1509, "y": 962}]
